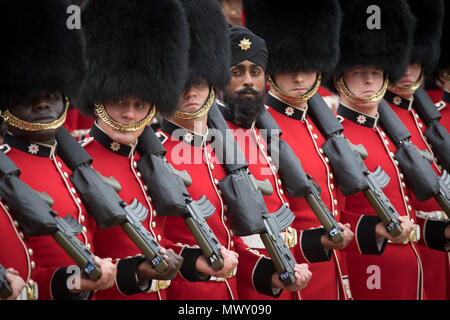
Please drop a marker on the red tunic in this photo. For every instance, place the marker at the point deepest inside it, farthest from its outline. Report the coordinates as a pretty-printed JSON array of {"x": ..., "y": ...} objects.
[
  {"x": 397, "y": 272},
  {"x": 329, "y": 277},
  {"x": 43, "y": 171},
  {"x": 120, "y": 161},
  {"x": 206, "y": 171},
  {"x": 435, "y": 263},
  {"x": 16, "y": 254},
  {"x": 253, "y": 145}
]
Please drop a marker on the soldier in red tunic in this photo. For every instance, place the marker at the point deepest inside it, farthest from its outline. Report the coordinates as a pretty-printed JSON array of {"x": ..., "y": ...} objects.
[
  {"x": 15, "y": 256},
  {"x": 361, "y": 78},
  {"x": 243, "y": 103},
  {"x": 35, "y": 79},
  {"x": 144, "y": 73},
  {"x": 299, "y": 55},
  {"x": 186, "y": 138},
  {"x": 429, "y": 15}
]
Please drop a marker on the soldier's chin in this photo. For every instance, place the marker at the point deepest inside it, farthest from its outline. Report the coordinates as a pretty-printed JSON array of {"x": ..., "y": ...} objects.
[{"x": 126, "y": 137}]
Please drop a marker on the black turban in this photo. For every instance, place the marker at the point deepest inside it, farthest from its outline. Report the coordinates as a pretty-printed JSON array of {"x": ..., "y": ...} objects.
[{"x": 245, "y": 45}]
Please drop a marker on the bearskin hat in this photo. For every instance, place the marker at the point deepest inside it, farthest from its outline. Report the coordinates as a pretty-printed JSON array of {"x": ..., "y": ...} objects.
[
  {"x": 444, "y": 60},
  {"x": 210, "y": 53},
  {"x": 305, "y": 39},
  {"x": 39, "y": 51},
  {"x": 429, "y": 15},
  {"x": 135, "y": 48},
  {"x": 387, "y": 47}
]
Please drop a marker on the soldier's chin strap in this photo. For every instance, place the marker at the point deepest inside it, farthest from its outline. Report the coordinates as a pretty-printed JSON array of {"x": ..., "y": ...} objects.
[
  {"x": 23, "y": 125},
  {"x": 342, "y": 88},
  {"x": 291, "y": 99},
  {"x": 412, "y": 87}
]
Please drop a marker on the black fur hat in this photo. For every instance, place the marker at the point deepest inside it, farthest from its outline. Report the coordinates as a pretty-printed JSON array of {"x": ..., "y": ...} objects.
[
  {"x": 38, "y": 50},
  {"x": 210, "y": 53},
  {"x": 444, "y": 61},
  {"x": 301, "y": 37},
  {"x": 135, "y": 48},
  {"x": 387, "y": 48},
  {"x": 429, "y": 15}
]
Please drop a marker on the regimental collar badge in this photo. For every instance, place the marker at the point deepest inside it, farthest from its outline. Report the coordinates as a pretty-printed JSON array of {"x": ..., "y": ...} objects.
[
  {"x": 185, "y": 135},
  {"x": 101, "y": 137},
  {"x": 285, "y": 109},
  {"x": 397, "y": 100},
  {"x": 30, "y": 147},
  {"x": 357, "y": 117},
  {"x": 245, "y": 44}
]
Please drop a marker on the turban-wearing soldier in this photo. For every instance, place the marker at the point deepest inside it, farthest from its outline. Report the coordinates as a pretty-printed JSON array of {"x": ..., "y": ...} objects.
[
  {"x": 243, "y": 105},
  {"x": 137, "y": 55},
  {"x": 300, "y": 53},
  {"x": 400, "y": 96},
  {"x": 370, "y": 59},
  {"x": 42, "y": 68},
  {"x": 185, "y": 136}
]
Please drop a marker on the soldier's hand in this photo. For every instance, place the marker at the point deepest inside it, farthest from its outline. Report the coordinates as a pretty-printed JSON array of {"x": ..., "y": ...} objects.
[
  {"x": 447, "y": 232},
  {"x": 406, "y": 225},
  {"x": 302, "y": 274},
  {"x": 16, "y": 282},
  {"x": 106, "y": 281},
  {"x": 348, "y": 236},
  {"x": 230, "y": 261},
  {"x": 147, "y": 271}
]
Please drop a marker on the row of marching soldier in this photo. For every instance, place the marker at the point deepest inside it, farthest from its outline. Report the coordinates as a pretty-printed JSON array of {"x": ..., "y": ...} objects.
[{"x": 250, "y": 186}]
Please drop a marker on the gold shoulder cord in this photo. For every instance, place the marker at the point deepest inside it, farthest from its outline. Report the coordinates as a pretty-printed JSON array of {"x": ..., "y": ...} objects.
[
  {"x": 13, "y": 121},
  {"x": 414, "y": 86},
  {"x": 301, "y": 98},
  {"x": 342, "y": 88},
  {"x": 202, "y": 111},
  {"x": 102, "y": 114}
]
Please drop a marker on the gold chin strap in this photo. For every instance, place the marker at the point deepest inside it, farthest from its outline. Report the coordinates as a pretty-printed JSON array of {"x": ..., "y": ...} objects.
[
  {"x": 342, "y": 88},
  {"x": 412, "y": 87},
  {"x": 102, "y": 114},
  {"x": 200, "y": 112},
  {"x": 13, "y": 121},
  {"x": 445, "y": 74},
  {"x": 301, "y": 98}
]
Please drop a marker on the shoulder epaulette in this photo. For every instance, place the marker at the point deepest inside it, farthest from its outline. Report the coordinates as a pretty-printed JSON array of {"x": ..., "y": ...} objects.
[
  {"x": 162, "y": 137},
  {"x": 86, "y": 141},
  {"x": 440, "y": 105},
  {"x": 340, "y": 118},
  {"x": 5, "y": 148}
]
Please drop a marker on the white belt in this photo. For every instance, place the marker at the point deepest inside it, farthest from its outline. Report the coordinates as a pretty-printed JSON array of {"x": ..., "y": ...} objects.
[
  {"x": 254, "y": 241},
  {"x": 159, "y": 285}
]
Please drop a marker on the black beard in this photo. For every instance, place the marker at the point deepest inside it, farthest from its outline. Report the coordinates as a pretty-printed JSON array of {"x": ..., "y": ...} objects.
[{"x": 243, "y": 111}]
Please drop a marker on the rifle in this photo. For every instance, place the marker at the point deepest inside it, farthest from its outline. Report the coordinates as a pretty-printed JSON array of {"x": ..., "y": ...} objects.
[
  {"x": 295, "y": 181},
  {"x": 36, "y": 217},
  {"x": 436, "y": 134},
  {"x": 419, "y": 175},
  {"x": 167, "y": 187},
  {"x": 5, "y": 287},
  {"x": 352, "y": 175},
  {"x": 102, "y": 201},
  {"x": 247, "y": 209}
]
